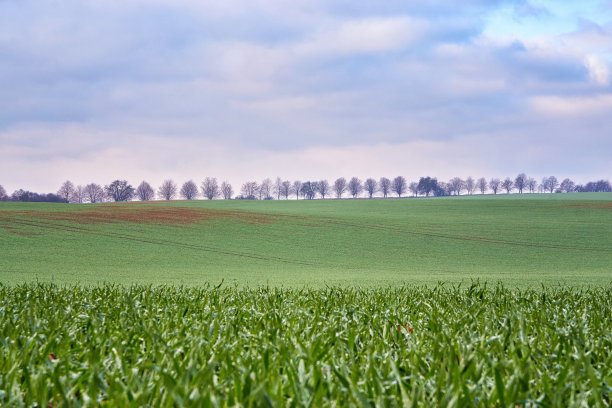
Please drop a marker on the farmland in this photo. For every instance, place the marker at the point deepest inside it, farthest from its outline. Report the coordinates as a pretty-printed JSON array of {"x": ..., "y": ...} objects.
[
  {"x": 429, "y": 346},
  {"x": 521, "y": 241},
  {"x": 469, "y": 301}
]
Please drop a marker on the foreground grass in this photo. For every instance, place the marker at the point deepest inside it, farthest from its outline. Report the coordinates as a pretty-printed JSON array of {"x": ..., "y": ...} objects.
[{"x": 173, "y": 346}]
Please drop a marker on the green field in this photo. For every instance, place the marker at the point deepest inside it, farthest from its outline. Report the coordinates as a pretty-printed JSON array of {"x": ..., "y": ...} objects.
[
  {"x": 521, "y": 240},
  {"x": 472, "y": 301},
  {"x": 204, "y": 347}
]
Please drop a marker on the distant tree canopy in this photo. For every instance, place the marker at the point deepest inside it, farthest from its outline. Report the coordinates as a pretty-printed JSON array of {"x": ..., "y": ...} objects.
[
  {"x": 145, "y": 192},
  {"x": 550, "y": 184},
  {"x": 567, "y": 186},
  {"x": 399, "y": 185},
  {"x": 66, "y": 191},
  {"x": 189, "y": 190},
  {"x": 507, "y": 185},
  {"x": 384, "y": 185},
  {"x": 250, "y": 188},
  {"x": 296, "y": 188},
  {"x": 120, "y": 190},
  {"x": 355, "y": 187},
  {"x": 323, "y": 188},
  {"x": 227, "y": 190},
  {"x": 210, "y": 188},
  {"x": 286, "y": 189},
  {"x": 427, "y": 185},
  {"x": 94, "y": 193},
  {"x": 28, "y": 196},
  {"x": 340, "y": 187},
  {"x": 600, "y": 186},
  {"x": 370, "y": 186},
  {"x": 167, "y": 191},
  {"x": 309, "y": 189},
  {"x": 520, "y": 182},
  {"x": 494, "y": 185},
  {"x": 482, "y": 185}
]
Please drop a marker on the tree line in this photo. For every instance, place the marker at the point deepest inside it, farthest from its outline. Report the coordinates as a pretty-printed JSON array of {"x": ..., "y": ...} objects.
[{"x": 121, "y": 190}]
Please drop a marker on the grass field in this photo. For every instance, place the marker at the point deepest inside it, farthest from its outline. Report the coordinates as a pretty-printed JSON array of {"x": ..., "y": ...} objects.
[
  {"x": 308, "y": 303},
  {"x": 336, "y": 347},
  {"x": 518, "y": 240}
]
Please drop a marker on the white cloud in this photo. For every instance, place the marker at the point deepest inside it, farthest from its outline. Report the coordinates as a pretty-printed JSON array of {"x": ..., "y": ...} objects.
[
  {"x": 573, "y": 106},
  {"x": 301, "y": 89},
  {"x": 598, "y": 69},
  {"x": 368, "y": 35}
]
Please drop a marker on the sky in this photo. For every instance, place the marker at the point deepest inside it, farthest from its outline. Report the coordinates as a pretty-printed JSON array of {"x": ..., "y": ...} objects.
[{"x": 93, "y": 91}]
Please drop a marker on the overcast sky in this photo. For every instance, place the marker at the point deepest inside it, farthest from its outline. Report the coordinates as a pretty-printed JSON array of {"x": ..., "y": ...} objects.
[{"x": 92, "y": 90}]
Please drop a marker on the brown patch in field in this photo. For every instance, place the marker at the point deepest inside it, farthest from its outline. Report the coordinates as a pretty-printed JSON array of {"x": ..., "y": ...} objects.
[
  {"x": 148, "y": 214},
  {"x": 607, "y": 206}
]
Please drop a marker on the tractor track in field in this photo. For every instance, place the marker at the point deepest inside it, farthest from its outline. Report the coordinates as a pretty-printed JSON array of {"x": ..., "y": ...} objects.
[
  {"x": 467, "y": 237},
  {"x": 314, "y": 222},
  {"x": 163, "y": 242}
]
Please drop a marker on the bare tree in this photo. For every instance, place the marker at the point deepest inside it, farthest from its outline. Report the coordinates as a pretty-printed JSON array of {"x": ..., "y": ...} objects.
[
  {"x": 567, "y": 185},
  {"x": 355, "y": 187},
  {"x": 309, "y": 190},
  {"x": 370, "y": 186},
  {"x": 94, "y": 193},
  {"x": 119, "y": 190},
  {"x": 167, "y": 191},
  {"x": 494, "y": 185},
  {"x": 66, "y": 191},
  {"x": 340, "y": 187},
  {"x": 278, "y": 186},
  {"x": 297, "y": 188},
  {"x": 249, "y": 190},
  {"x": 470, "y": 185},
  {"x": 323, "y": 188},
  {"x": 544, "y": 184},
  {"x": 78, "y": 196},
  {"x": 427, "y": 185},
  {"x": 414, "y": 188},
  {"x": 399, "y": 185},
  {"x": 227, "y": 190},
  {"x": 286, "y": 189},
  {"x": 482, "y": 185},
  {"x": 507, "y": 185},
  {"x": 210, "y": 188},
  {"x": 385, "y": 186},
  {"x": 532, "y": 184},
  {"x": 265, "y": 189},
  {"x": 145, "y": 192},
  {"x": 3, "y": 195},
  {"x": 520, "y": 182},
  {"x": 444, "y": 189},
  {"x": 599, "y": 186},
  {"x": 456, "y": 185},
  {"x": 189, "y": 191},
  {"x": 550, "y": 183}
]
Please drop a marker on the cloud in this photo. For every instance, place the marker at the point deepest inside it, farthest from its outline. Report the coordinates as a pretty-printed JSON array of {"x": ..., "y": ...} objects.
[
  {"x": 573, "y": 106},
  {"x": 285, "y": 82},
  {"x": 370, "y": 35},
  {"x": 598, "y": 69}
]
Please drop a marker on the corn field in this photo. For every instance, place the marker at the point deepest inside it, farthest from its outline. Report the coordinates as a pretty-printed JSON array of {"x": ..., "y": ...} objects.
[{"x": 170, "y": 346}]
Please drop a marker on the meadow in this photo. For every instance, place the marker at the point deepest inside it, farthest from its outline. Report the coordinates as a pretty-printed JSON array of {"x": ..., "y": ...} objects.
[
  {"x": 472, "y": 301},
  {"x": 518, "y": 240}
]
